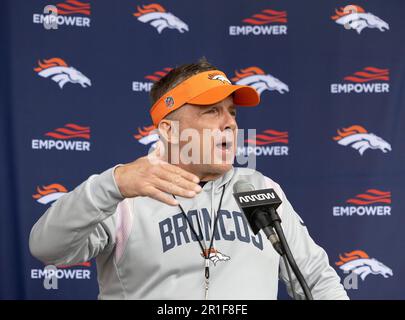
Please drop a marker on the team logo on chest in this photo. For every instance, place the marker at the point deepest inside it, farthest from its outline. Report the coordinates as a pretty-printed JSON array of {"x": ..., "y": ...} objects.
[{"x": 214, "y": 255}]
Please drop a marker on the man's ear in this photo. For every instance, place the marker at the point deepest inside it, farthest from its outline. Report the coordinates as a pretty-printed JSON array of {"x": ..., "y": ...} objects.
[{"x": 169, "y": 130}]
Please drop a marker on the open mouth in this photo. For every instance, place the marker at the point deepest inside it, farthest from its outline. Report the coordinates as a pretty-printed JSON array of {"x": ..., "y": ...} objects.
[{"x": 225, "y": 145}]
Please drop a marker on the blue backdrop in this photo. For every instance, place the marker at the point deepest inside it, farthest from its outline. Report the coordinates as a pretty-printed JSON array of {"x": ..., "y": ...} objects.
[{"x": 330, "y": 127}]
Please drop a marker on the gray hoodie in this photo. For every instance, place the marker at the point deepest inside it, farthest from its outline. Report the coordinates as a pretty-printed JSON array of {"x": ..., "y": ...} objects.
[{"x": 145, "y": 249}]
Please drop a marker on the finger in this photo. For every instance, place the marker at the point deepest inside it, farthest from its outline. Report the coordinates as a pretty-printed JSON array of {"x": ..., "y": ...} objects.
[
  {"x": 167, "y": 186},
  {"x": 162, "y": 197},
  {"x": 178, "y": 180},
  {"x": 185, "y": 174}
]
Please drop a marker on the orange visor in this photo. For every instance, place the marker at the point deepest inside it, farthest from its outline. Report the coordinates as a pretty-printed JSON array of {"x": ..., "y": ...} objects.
[{"x": 204, "y": 88}]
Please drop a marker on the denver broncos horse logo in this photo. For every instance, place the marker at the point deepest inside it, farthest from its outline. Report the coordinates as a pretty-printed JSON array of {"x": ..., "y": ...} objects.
[
  {"x": 147, "y": 135},
  {"x": 220, "y": 77},
  {"x": 358, "y": 138},
  {"x": 215, "y": 256},
  {"x": 49, "y": 193},
  {"x": 256, "y": 78},
  {"x": 61, "y": 73},
  {"x": 355, "y": 17},
  {"x": 361, "y": 264},
  {"x": 157, "y": 16}
]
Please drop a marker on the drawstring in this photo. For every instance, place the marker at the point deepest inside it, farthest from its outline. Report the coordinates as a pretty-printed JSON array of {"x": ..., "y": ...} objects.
[
  {"x": 213, "y": 222},
  {"x": 205, "y": 253},
  {"x": 216, "y": 218}
]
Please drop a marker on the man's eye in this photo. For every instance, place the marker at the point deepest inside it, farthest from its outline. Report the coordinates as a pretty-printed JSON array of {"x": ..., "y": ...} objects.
[{"x": 212, "y": 110}]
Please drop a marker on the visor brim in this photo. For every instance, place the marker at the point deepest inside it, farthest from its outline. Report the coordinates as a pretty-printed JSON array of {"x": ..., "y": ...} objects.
[{"x": 242, "y": 96}]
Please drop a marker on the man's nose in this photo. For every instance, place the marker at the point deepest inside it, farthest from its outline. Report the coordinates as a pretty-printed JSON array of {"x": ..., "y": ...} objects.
[{"x": 228, "y": 121}]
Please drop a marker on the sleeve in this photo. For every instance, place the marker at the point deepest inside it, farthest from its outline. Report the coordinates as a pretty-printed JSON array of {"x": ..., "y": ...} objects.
[
  {"x": 79, "y": 225},
  {"x": 312, "y": 260}
]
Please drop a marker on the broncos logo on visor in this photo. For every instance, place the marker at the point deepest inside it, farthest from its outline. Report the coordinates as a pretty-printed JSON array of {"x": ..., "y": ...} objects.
[{"x": 219, "y": 77}]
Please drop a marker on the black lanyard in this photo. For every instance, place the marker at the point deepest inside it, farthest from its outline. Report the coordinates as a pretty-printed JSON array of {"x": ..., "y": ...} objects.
[{"x": 205, "y": 253}]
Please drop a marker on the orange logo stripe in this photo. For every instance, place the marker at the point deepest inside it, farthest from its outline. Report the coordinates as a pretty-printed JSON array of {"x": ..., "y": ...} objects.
[
  {"x": 347, "y": 10},
  {"x": 267, "y": 16},
  {"x": 353, "y": 255},
  {"x": 349, "y": 131},
  {"x": 369, "y": 74},
  {"x": 70, "y": 131},
  {"x": 73, "y": 7},
  {"x": 143, "y": 132},
  {"x": 51, "y": 188},
  {"x": 154, "y": 7},
  {"x": 268, "y": 137}
]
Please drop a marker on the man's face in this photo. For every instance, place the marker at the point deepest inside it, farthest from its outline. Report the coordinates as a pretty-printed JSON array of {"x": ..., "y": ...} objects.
[{"x": 214, "y": 150}]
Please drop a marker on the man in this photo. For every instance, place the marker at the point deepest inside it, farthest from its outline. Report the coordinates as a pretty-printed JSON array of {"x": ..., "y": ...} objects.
[{"x": 167, "y": 227}]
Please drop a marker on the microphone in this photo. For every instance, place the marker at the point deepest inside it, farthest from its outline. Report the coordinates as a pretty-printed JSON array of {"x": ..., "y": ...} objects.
[
  {"x": 257, "y": 218},
  {"x": 259, "y": 207}
]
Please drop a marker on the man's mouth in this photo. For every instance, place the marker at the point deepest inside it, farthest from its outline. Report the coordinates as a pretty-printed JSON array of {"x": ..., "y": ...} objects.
[{"x": 225, "y": 145}]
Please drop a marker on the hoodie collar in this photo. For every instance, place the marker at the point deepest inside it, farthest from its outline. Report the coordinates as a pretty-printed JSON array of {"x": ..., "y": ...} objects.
[{"x": 219, "y": 182}]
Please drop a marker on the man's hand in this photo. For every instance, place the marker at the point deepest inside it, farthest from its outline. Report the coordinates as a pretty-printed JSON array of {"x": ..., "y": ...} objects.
[{"x": 144, "y": 177}]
